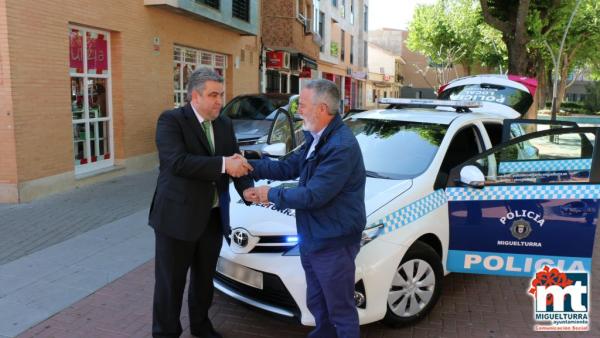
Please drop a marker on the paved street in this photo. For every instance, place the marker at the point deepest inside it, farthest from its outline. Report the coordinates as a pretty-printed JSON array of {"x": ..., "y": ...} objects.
[{"x": 94, "y": 278}]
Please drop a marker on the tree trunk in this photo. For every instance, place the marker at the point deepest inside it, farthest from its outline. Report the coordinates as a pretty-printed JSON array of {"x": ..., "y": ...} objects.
[
  {"x": 518, "y": 58},
  {"x": 562, "y": 84},
  {"x": 542, "y": 84}
]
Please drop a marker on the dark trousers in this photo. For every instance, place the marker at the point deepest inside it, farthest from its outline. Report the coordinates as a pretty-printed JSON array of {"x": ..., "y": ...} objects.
[
  {"x": 330, "y": 291},
  {"x": 173, "y": 259}
]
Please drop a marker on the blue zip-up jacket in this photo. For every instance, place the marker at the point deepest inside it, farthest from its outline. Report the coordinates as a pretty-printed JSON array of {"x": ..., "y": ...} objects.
[{"x": 330, "y": 197}]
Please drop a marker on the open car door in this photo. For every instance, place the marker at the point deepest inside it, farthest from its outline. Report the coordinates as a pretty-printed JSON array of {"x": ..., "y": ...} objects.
[{"x": 512, "y": 215}]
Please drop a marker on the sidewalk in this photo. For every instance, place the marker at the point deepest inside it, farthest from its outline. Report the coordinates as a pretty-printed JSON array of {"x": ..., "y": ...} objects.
[{"x": 57, "y": 250}]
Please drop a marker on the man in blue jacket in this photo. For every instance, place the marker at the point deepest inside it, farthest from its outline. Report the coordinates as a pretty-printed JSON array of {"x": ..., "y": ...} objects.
[{"x": 330, "y": 207}]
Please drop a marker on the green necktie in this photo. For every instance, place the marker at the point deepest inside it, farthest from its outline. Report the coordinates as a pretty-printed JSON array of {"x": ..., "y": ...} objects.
[{"x": 207, "y": 126}]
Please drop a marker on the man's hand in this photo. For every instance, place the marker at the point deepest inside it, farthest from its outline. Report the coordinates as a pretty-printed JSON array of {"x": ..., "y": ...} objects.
[
  {"x": 250, "y": 195},
  {"x": 237, "y": 166},
  {"x": 263, "y": 194}
]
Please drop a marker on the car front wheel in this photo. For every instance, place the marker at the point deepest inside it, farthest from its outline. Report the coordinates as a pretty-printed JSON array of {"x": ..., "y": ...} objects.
[{"x": 415, "y": 287}]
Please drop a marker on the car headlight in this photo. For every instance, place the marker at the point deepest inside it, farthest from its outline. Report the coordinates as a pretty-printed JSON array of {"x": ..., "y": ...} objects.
[{"x": 370, "y": 233}]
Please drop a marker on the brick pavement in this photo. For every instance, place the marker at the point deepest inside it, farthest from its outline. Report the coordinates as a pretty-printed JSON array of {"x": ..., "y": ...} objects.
[
  {"x": 30, "y": 227},
  {"x": 470, "y": 306}
]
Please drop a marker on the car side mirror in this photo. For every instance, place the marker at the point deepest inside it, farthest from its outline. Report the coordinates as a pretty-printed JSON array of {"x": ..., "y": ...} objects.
[
  {"x": 274, "y": 150},
  {"x": 472, "y": 177}
]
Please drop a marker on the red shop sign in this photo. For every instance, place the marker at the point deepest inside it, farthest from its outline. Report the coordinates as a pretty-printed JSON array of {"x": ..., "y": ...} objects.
[
  {"x": 275, "y": 59},
  {"x": 306, "y": 72}
]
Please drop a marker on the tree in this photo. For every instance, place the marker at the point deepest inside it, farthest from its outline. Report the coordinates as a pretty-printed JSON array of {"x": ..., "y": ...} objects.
[
  {"x": 578, "y": 52},
  {"x": 453, "y": 33}
]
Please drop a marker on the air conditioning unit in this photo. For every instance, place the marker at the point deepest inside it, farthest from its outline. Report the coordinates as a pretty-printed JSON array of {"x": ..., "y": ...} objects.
[{"x": 286, "y": 60}]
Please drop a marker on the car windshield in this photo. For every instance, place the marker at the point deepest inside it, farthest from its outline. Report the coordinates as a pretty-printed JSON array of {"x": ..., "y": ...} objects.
[
  {"x": 510, "y": 97},
  {"x": 253, "y": 107},
  {"x": 397, "y": 149}
]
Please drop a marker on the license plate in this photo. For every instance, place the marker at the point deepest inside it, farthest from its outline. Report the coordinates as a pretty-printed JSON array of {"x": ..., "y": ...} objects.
[{"x": 240, "y": 273}]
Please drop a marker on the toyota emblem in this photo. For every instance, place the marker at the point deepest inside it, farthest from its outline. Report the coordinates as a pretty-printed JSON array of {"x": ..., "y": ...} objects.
[{"x": 240, "y": 237}]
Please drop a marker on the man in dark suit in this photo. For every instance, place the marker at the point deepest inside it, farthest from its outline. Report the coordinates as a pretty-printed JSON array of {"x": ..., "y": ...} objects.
[{"x": 198, "y": 154}]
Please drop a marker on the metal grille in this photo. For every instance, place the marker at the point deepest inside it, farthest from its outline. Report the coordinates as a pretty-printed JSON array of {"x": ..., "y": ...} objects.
[
  {"x": 274, "y": 293},
  {"x": 241, "y": 9}
]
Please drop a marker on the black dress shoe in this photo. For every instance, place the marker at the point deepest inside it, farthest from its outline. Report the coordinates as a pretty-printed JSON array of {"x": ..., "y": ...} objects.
[{"x": 212, "y": 333}]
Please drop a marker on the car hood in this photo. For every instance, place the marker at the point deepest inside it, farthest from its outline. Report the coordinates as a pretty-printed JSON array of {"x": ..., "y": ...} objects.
[
  {"x": 266, "y": 219},
  {"x": 251, "y": 129}
]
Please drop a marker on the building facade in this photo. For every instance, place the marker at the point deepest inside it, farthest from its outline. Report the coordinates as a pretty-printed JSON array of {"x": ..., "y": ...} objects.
[
  {"x": 343, "y": 28},
  {"x": 290, "y": 45},
  {"x": 115, "y": 66},
  {"x": 384, "y": 75},
  {"x": 419, "y": 78}
]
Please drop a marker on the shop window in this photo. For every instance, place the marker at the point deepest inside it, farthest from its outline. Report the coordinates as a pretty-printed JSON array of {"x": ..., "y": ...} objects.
[
  {"x": 91, "y": 111},
  {"x": 273, "y": 81},
  {"x": 284, "y": 83},
  {"x": 185, "y": 61},
  {"x": 294, "y": 84}
]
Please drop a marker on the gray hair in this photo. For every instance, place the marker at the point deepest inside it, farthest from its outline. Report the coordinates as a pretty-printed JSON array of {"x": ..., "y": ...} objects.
[
  {"x": 198, "y": 79},
  {"x": 325, "y": 92}
]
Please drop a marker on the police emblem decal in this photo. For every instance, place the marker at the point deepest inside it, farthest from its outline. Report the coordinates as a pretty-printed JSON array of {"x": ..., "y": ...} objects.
[{"x": 520, "y": 229}]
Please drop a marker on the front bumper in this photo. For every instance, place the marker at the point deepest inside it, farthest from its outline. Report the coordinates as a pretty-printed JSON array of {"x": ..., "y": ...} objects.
[{"x": 274, "y": 297}]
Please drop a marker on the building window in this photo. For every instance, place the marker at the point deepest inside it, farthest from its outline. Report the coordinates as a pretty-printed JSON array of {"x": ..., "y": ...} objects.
[
  {"x": 211, "y": 3},
  {"x": 343, "y": 46},
  {"x": 89, "y": 70},
  {"x": 366, "y": 19},
  {"x": 273, "y": 81},
  {"x": 185, "y": 61},
  {"x": 352, "y": 12},
  {"x": 284, "y": 83},
  {"x": 321, "y": 29},
  {"x": 334, "y": 3},
  {"x": 366, "y": 54},
  {"x": 241, "y": 9},
  {"x": 351, "y": 49},
  {"x": 294, "y": 84},
  {"x": 343, "y": 8}
]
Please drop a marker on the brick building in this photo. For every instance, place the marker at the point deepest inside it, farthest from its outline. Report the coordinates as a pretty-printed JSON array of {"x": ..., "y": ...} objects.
[{"x": 83, "y": 82}]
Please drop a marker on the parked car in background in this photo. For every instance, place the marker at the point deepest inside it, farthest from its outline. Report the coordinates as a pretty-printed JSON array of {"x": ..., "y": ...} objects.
[{"x": 253, "y": 114}]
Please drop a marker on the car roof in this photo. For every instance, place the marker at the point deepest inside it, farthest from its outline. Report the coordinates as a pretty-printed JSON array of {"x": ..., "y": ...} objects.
[
  {"x": 424, "y": 115},
  {"x": 410, "y": 114}
]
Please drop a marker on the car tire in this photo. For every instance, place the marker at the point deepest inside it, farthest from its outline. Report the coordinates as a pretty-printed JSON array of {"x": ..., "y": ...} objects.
[{"x": 411, "y": 299}]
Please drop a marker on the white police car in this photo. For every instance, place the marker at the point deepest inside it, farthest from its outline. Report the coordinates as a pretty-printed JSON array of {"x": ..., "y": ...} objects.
[{"x": 448, "y": 190}]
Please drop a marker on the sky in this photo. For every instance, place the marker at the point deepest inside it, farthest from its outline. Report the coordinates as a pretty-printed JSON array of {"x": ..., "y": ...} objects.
[{"x": 392, "y": 13}]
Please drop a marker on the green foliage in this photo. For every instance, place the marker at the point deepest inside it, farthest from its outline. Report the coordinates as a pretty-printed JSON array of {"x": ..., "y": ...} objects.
[{"x": 454, "y": 32}]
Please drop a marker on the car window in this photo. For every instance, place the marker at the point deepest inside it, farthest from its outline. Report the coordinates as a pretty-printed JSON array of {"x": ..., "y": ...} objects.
[
  {"x": 508, "y": 96},
  {"x": 396, "y": 149},
  {"x": 464, "y": 145},
  {"x": 494, "y": 131},
  {"x": 281, "y": 132},
  {"x": 565, "y": 157}
]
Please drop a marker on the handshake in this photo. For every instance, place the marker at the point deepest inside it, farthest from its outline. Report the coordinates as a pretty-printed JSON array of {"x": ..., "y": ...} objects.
[
  {"x": 258, "y": 195},
  {"x": 237, "y": 166}
]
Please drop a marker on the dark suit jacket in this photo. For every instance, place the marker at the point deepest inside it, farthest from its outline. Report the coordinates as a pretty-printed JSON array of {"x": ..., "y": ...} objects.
[{"x": 189, "y": 174}]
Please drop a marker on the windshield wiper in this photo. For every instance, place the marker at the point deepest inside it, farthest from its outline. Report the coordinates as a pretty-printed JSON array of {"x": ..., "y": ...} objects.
[{"x": 375, "y": 174}]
